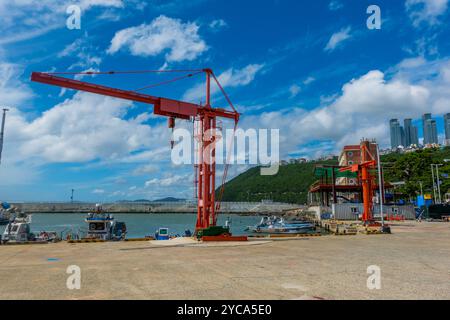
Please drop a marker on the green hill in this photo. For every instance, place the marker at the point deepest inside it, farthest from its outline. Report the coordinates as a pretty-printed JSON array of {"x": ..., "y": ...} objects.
[
  {"x": 415, "y": 169},
  {"x": 292, "y": 182},
  {"x": 289, "y": 185}
]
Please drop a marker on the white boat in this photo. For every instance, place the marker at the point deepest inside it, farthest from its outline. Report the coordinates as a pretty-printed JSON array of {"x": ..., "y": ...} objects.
[
  {"x": 277, "y": 225},
  {"x": 18, "y": 230},
  {"x": 103, "y": 226}
]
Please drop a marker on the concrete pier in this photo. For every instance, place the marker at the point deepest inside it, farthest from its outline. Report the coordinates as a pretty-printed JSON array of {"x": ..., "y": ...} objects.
[{"x": 414, "y": 263}]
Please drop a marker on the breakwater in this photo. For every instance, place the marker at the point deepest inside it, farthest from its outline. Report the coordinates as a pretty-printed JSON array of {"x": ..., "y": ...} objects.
[{"x": 154, "y": 207}]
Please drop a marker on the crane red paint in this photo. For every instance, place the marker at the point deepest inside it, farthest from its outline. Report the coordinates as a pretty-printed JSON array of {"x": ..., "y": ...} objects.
[
  {"x": 206, "y": 116},
  {"x": 367, "y": 180}
]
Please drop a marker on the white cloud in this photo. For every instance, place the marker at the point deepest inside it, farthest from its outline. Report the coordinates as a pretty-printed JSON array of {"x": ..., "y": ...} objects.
[
  {"x": 26, "y": 19},
  {"x": 229, "y": 78},
  {"x": 294, "y": 90},
  {"x": 309, "y": 80},
  {"x": 98, "y": 191},
  {"x": 80, "y": 50},
  {"x": 180, "y": 41},
  {"x": 12, "y": 91},
  {"x": 82, "y": 75},
  {"x": 218, "y": 24},
  {"x": 145, "y": 169},
  {"x": 426, "y": 11},
  {"x": 84, "y": 128},
  {"x": 338, "y": 38},
  {"x": 168, "y": 181},
  {"x": 86, "y": 4},
  {"x": 335, "y": 5},
  {"x": 364, "y": 107}
]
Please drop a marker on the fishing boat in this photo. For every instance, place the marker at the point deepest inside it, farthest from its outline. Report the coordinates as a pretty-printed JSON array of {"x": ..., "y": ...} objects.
[
  {"x": 277, "y": 225},
  {"x": 18, "y": 230},
  {"x": 103, "y": 226}
]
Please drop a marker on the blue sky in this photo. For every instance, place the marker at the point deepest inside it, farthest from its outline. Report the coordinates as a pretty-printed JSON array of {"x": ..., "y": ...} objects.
[{"x": 309, "y": 68}]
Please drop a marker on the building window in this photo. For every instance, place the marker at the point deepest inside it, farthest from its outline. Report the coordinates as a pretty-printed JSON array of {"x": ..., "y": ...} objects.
[
  {"x": 350, "y": 154},
  {"x": 350, "y": 162}
]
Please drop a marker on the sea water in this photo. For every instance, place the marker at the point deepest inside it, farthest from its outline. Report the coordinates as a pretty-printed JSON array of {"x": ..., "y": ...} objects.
[{"x": 138, "y": 225}]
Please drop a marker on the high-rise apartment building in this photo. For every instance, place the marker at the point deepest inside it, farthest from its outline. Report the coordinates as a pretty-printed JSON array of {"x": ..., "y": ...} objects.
[
  {"x": 397, "y": 134},
  {"x": 429, "y": 129},
  {"x": 411, "y": 133},
  {"x": 430, "y": 135},
  {"x": 447, "y": 128}
]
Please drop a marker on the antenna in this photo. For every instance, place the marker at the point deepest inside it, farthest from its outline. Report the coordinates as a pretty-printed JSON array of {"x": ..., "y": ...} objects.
[{"x": 2, "y": 133}]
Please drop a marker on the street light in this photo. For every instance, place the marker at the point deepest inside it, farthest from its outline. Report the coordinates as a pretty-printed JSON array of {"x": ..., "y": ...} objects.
[
  {"x": 2, "y": 131},
  {"x": 380, "y": 185},
  {"x": 438, "y": 187}
]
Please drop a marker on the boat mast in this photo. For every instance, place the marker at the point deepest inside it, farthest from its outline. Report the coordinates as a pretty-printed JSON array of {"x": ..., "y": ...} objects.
[{"x": 2, "y": 132}]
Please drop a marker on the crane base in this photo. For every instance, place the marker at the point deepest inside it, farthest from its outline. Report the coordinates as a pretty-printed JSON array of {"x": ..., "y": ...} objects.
[
  {"x": 225, "y": 237},
  {"x": 213, "y": 231}
]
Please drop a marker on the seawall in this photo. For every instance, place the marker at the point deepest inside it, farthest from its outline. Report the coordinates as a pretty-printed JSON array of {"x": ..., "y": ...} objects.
[{"x": 153, "y": 207}]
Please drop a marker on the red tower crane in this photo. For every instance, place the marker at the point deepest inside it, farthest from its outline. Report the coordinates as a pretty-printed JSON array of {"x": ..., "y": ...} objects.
[
  {"x": 206, "y": 116},
  {"x": 367, "y": 180}
]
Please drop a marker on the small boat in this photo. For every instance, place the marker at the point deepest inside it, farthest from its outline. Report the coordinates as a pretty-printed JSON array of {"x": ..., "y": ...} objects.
[
  {"x": 18, "y": 230},
  {"x": 103, "y": 226},
  {"x": 277, "y": 225},
  {"x": 162, "y": 234}
]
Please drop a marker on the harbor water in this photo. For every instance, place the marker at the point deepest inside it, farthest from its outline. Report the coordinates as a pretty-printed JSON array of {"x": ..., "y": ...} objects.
[{"x": 138, "y": 225}]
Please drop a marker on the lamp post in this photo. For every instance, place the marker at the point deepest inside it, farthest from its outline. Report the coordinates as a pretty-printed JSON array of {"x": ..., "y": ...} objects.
[
  {"x": 436, "y": 182},
  {"x": 2, "y": 132},
  {"x": 380, "y": 185}
]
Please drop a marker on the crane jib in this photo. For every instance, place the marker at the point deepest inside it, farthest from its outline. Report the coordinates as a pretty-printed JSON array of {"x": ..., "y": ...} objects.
[{"x": 163, "y": 106}]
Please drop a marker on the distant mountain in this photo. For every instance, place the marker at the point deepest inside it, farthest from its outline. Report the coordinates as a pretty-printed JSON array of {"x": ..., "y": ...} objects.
[{"x": 169, "y": 199}]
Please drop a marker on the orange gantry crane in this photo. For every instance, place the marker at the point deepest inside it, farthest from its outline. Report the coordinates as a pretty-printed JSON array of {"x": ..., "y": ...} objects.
[
  {"x": 205, "y": 115},
  {"x": 367, "y": 180}
]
